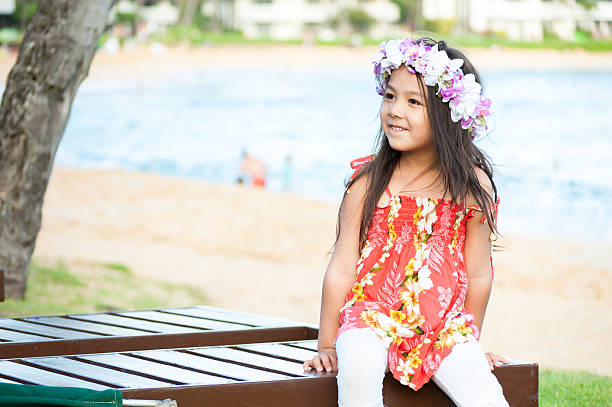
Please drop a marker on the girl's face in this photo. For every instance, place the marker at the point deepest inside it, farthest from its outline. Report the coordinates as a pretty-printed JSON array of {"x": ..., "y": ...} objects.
[{"x": 403, "y": 113}]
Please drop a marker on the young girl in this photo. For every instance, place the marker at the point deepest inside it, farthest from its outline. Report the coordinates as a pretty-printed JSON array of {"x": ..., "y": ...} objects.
[{"x": 409, "y": 280}]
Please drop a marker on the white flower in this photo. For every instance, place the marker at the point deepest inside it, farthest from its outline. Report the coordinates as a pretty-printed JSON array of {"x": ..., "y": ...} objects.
[
  {"x": 425, "y": 278},
  {"x": 436, "y": 67},
  {"x": 394, "y": 55},
  {"x": 367, "y": 279},
  {"x": 444, "y": 299},
  {"x": 404, "y": 367},
  {"x": 404, "y": 332},
  {"x": 467, "y": 101}
]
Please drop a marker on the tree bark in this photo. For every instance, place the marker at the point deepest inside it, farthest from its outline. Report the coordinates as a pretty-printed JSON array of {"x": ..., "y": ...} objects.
[
  {"x": 188, "y": 10},
  {"x": 53, "y": 60}
]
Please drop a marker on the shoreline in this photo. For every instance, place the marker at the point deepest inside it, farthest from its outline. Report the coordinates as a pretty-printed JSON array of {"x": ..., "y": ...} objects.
[
  {"x": 247, "y": 250},
  {"x": 132, "y": 63}
]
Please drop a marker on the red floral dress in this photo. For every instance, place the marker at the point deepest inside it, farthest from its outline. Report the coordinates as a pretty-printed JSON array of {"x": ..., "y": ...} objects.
[{"x": 411, "y": 284}]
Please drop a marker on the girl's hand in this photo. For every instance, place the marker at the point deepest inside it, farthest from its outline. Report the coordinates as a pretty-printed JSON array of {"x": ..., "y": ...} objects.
[
  {"x": 495, "y": 360},
  {"x": 326, "y": 360}
]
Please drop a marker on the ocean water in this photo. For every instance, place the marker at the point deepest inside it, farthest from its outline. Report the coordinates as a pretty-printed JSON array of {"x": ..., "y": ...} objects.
[{"x": 551, "y": 139}]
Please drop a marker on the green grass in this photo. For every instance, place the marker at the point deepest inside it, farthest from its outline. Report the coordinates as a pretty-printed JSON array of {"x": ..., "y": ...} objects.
[
  {"x": 560, "y": 388},
  {"x": 587, "y": 44},
  {"x": 57, "y": 288}
]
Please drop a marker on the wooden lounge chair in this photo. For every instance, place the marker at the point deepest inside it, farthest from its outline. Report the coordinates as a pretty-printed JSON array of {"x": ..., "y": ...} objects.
[{"x": 198, "y": 356}]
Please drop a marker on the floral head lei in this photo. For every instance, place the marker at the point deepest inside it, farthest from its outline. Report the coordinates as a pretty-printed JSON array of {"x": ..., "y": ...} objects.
[{"x": 463, "y": 93}]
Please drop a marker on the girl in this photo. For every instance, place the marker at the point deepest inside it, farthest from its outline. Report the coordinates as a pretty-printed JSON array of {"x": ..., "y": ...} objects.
[{"x": 409, "y": 280}]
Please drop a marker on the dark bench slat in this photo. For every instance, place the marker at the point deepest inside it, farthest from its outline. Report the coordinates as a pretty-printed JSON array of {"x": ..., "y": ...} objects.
[
  {"x": 44, "y": 330},
  {"x": 274, "y": 349},
  {"x": 106, "y": 375},
  {"x": 160, "y": 370},
  {"x": 210, "y": 365},
  {"x": 183, "y": 320},
  {"x": 309, "y": 345},
  {"x": 14, "y": 336},
  {"x": 87, "y": 326},
  {"x": 230, "y": 316},
  {"x": 44, "y": 377},
  {"x": 239, "y": 356},
  {"x": 135, "y": 323}
]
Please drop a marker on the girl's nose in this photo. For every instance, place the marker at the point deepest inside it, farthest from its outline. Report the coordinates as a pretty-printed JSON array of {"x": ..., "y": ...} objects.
[{"x": 394, "y": 109}]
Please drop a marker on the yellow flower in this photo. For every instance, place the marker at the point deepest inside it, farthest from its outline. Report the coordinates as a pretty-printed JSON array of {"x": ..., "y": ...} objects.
[
  {"x": 414, "y": 359},
  {"x": 397, "y": 316},
  {"x": 417, "y": 216},
  {"x": 392, "y": 233},
  {"x": 410, "y": 267},
  {"x": 413, "y": 320},
  {"x": 369, "y": 317},
  {"x": 358, "y": 288},
  {"x": 410, "y": 298}
]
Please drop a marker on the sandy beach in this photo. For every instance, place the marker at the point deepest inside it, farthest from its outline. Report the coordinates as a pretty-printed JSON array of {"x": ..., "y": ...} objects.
[{"x": 262, "y": 252}]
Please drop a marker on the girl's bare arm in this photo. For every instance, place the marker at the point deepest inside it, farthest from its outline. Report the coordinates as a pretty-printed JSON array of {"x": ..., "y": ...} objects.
[
  {"x": 339, "y": 278},
  {"x": 479, "y": 272},
  {"x": 478, "y": 262}
]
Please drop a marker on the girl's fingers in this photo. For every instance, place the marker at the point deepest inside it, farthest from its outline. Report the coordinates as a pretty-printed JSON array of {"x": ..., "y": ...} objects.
[
  {"x": 327, "y": 364},
  {"x": 502, "y": 359},
  {"x": 334, "y": 363},
  {"x": 321, "y": 363},
  {"x": 495, "y": 360},
  {"x": 317, "y": 363},
  {"x": 490, "y": 360}
]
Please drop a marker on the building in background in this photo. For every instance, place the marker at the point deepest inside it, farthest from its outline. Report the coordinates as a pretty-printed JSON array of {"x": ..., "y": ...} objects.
[
  {"x": 297, "y": 19},
  {"x": 524, "y": 20}
]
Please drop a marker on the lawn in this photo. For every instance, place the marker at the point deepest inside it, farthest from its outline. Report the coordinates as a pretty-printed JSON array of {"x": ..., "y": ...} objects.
[
  {"x": 54, "y": 287},
  {"x": 561, "y": 388}
]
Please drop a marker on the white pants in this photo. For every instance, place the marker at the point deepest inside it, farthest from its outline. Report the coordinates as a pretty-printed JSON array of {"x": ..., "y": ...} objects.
[{"x": 464, "y": 375}]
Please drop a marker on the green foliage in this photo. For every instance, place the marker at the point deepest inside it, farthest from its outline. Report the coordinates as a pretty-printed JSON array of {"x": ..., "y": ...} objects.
[
  {"x": 190, "y": 34},
  {"x": 443, "y": 26},
  {"x": 560, "y": 388},
  {"x": 360, "y": 20},
  {"x": 587, "y": 4},
  {"x": 117, "y": 267},
  {"x": 580, "y": 42},
  {"x": 10, "y": 36},
  {"x": 55, "y": 288},
  {"x": 24, "y": 10},
  {"x": 408, "y": 9},
  {"x": 127, "y": 18}
]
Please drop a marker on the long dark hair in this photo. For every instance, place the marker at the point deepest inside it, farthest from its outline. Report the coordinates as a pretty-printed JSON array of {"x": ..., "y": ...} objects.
[{"x": 456, "y": 155}]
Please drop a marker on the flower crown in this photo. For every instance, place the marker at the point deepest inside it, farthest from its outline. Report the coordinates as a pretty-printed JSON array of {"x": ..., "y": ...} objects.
[{"x": 466, "y": 100}]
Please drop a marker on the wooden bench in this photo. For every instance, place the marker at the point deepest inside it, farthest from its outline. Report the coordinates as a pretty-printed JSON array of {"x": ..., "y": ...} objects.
[
  {"x": 254, "y": 368},
  {"x": 141, "y": 330}
]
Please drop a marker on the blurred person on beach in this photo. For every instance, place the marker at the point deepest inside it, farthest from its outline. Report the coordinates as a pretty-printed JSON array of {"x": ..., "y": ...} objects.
[
  {"x": 415, "y": 225},
  {"x": 252, "y": 171},
  {"x": 287, "y": 173}
]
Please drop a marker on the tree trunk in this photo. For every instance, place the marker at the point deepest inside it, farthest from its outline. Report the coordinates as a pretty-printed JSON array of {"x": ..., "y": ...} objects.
[
  {"x": 53, "y": 60},
  {"x": 188, "y": 11}
]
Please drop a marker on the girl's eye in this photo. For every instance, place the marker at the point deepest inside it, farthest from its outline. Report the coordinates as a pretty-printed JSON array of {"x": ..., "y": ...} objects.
[
  {"x": 388, "y": 96},
  {"x": 414, "y": 102}
]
